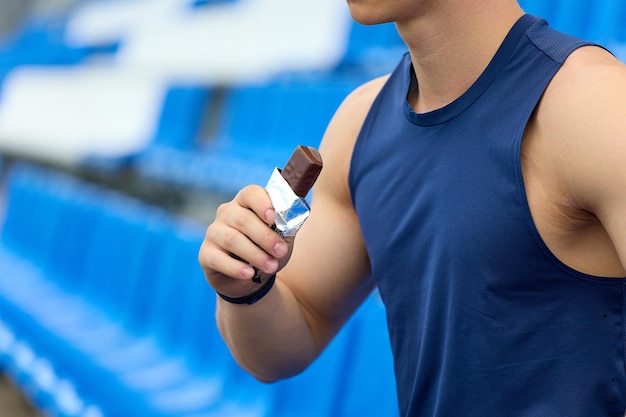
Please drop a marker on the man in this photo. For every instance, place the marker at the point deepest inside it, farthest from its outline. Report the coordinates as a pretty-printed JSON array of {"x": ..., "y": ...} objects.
[{"x": 482, "y": 188}]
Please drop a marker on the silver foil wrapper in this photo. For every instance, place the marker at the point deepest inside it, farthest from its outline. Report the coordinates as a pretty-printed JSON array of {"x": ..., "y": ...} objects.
[{"x": 291, "y": 210}]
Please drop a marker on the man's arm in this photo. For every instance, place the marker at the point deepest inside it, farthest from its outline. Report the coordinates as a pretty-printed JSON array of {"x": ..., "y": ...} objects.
[
  {"x": 588, "y": 106},
  {"x": 326, "y": 277}
]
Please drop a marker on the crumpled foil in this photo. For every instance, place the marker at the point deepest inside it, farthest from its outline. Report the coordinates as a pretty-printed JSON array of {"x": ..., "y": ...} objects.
[{"x": 291, "y": 210}]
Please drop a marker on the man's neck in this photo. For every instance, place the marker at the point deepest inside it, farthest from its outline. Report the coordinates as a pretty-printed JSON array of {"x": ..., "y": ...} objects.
[{"x": 451, "y": 49}]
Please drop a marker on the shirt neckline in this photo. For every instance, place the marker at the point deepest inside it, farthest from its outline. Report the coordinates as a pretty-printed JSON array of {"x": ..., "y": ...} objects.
[{"x": 458, "y": 106}]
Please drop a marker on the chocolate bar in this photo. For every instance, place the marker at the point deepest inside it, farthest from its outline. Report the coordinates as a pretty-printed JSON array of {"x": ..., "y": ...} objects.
[
  {"x": 302, "y": 169},
  {"x": 287, "y": 189}
]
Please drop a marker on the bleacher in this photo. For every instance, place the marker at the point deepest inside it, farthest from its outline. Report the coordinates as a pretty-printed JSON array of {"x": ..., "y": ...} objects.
[
  {"x": 113, "y": 157},
  {"x": 105, "y": 311}
]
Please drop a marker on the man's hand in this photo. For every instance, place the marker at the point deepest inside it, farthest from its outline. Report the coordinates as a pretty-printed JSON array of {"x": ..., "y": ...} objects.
[{"x": 240, "y": 240}]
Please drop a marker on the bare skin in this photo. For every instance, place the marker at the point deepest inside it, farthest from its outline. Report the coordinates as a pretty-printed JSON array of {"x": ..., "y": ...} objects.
[{"x": 573, "y": 157}]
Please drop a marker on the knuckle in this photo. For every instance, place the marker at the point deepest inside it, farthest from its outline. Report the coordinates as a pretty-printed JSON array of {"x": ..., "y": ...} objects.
[
  {"x": 243, "y": 195},
  {"x": 241, "y": 221},
  {"x": 249, "y": 190},
  {"x": 229, "y": 239},
  {"x": 252, "y": 196},
  {"x": 222, "y": 209},
  {"x": 210, "y": 232},
  {"x": 204, "y": 257},
  {"x": 270, "y": 237},
  {"x": 212, "y": 235}
]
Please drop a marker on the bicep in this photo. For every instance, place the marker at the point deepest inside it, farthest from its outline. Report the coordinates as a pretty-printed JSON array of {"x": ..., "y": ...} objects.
[
  {"x": 605, "y": 185},
  {"x": 613, "y": 217},
  {"x": 595, "y": 148},
  {"x": 329, "y": 272}
]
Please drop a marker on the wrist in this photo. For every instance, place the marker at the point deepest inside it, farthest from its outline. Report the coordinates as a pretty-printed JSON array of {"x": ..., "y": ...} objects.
[{"x": 254, "y": 296}]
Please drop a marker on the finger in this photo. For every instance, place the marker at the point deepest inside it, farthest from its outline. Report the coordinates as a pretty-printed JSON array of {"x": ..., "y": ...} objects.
[
  {"x": 233, "y": 242},
  {"x": 235, "y": 281},
  {"x": 248, "y": 223},
  {"x": 218, "y": 264},
  {"x": 256, "y": 199}
]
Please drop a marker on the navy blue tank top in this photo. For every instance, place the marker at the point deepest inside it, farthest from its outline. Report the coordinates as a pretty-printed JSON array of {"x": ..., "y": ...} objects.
[{"x": 484, "y": 320}]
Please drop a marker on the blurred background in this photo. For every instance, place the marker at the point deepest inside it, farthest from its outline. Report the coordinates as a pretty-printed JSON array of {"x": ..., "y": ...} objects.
[{"x": 123, "y": 124}]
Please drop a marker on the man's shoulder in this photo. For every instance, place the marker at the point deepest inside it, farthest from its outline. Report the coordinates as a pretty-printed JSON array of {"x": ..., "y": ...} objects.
[
  {"x": 581, "y": 116},
  {"x": 339, "y": 140},
  {"x": 591, "y": 70},
  {"x": 364, "y": 95},
  {"x": 351, "y": 114},
  {"x": 591, "y": 84}
]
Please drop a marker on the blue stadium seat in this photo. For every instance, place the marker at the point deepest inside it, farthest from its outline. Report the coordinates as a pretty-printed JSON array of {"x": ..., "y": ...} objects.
[
  {"x": 370, "y": 386},
  {"x": 258, "y": 128},
  {"x": 40, "y": 40},
  {"x": 305, "y": 394},
  {"x": 132, "y": 321},
  {"x": 135, "y": 314},
  {"x": 216, "y": 385},
  {"x": 183, "y": 113},
  {"x": 53, "y": 319}
]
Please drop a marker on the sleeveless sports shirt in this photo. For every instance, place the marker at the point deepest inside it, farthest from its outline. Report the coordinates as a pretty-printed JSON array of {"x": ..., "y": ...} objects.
[{"x": 484, "y": 320}]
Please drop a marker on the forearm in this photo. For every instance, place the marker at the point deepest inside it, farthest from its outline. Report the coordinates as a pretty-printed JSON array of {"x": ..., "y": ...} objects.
[{"x": 271, "y": 339}]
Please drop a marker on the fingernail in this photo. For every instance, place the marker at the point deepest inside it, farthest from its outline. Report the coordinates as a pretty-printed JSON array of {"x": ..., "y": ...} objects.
[
  {"x": 279, "y": 250},
  {"x": 269, "y": 216},
  {"x": 247, "y": 273},
  {"x": 271, "y": 266}
]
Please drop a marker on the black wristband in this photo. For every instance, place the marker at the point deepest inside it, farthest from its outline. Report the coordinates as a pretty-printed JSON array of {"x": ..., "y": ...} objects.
[{"x": 255, "y": 296}]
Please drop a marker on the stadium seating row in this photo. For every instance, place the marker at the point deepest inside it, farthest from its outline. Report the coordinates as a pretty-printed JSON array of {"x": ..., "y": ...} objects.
[
  {"x": 40, "y": 40},
  {"x": 105, "y": 312},
  {"x": 52, "y": 75},
  {"x": 255, "y": 130}
]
